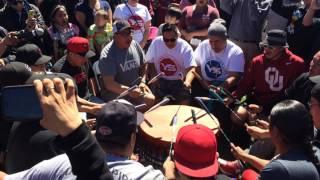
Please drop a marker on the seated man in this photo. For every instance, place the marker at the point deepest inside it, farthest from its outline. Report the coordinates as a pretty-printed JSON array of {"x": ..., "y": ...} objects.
[
  {"x": 121, "y": 63},
  {"x": 270, "y": 73},
  {"x": 75, "y": 63},
  {"x": 174, "y": 57},
  {"x": 220, "y": 61}
]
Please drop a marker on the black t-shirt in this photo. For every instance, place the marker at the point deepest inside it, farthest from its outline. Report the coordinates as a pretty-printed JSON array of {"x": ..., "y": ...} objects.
[
  {"x": 81, "y": 75},
  {"x": 300, "y": 89}
]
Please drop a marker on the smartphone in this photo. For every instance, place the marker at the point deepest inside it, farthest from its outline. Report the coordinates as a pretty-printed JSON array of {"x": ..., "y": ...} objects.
[
  {"x": 20, "y": 103},
  {"x": 31, "y": 14}
]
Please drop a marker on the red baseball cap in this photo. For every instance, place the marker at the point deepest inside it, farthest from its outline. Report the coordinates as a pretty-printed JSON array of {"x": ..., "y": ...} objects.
[
  {"x": 195, "y": 151},
  {"x": 79, "y": 45}
]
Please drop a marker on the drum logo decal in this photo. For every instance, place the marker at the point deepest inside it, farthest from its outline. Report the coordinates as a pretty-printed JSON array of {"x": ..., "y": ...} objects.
[
  {"x": 105, "y": 130},
  {"x": 213, "y": 69},
  {"x": 168, "y": 67}
]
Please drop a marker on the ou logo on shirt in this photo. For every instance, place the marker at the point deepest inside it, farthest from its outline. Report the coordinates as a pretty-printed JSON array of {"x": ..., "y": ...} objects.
[
  {"x": 168, "y": 67},
  {"x": 136, "y": 22},
  {"x": 273, "y": 78}
]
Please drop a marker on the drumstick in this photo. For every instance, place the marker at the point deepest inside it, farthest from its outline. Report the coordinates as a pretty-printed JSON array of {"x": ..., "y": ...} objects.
[
  {"x": 174, "y": 116},
  {"x": 126, "y": 92},
  {"x": 174, "y": 123},
  {"x": 220, "y": 129},
  {"x": 224, "y": 92},
  {"x": 202, "y": 81},
  {"x": 165, "y": 100},
  {"x": 156, "y": 78},
  {"x": 194, "y": 119}
]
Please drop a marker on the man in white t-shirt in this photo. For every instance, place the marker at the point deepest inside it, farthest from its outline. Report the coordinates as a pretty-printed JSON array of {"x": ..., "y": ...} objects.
[
  {"x": 173, "y": 57},
  {"x": 220, "y": 61},
  {"x": 138, "y": 17}
]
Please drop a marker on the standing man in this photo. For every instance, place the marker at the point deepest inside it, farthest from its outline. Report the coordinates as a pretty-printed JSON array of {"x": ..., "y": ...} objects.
[
  {"x": 219, "y": 60},
  {"x": 174, "y": 57},
  {"x": 122, "y": 61},
  {"x": 138, "y": 17},
  {"x": 75, "y": 63}
]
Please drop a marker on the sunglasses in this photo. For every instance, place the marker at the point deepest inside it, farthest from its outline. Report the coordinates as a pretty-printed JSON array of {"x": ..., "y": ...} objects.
[
  {"x": 82, "y": 54},
  {"x": 169, "y": 40}
]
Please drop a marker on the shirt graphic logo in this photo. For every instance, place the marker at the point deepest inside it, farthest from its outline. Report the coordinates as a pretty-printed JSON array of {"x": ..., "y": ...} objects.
[
  {"x": 168, "y": 67},
  {"x": 213, "y": 69},
  {"x": 79, "y": 78},
  {"x": 129, "y": 65},
  {"x": 136, "y": 22},
  {"x": 273, "y": 78}
]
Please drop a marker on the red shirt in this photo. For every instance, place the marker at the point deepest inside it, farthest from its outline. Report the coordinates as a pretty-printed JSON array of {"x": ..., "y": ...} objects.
[
  {"x": 192, "y": 20},
  {"x": 268, "y": 79}
]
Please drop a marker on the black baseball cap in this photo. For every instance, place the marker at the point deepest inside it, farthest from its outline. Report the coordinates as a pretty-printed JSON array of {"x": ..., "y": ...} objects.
[
  {"x": 115, "y": 120},
  {"x": 31, "y": 54},
  {"x": 14, "y": 73}
]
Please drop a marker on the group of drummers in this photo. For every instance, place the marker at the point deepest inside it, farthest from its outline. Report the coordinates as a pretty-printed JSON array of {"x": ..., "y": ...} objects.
[{"x": 170, "y": 80}]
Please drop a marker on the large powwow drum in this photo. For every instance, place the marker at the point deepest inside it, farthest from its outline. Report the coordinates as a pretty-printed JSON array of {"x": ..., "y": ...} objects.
[{"x": 157, "y": 131}]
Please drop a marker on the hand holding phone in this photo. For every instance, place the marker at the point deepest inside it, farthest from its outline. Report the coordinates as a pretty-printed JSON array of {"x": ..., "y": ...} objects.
[{"x": 59, "y": 105}]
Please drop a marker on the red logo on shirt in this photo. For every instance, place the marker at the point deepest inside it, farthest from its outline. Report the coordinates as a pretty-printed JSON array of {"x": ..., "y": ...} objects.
[
  {"x": 79, "y": 78},
  {"x": 168, "y": 67},
  {"x": 136, "y": 22}
]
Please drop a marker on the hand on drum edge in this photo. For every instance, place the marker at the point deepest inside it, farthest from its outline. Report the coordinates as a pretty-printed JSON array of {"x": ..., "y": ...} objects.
[
  {"x": 254, "y": 108},
  {"x": 238, "y": 152},
  {"x": 257, "y": 132},
  {"x": 169, "y": 168},
  {"x": 59, "y": 106}
]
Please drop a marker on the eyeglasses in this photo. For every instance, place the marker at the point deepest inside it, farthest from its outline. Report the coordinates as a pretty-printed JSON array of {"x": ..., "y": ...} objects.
[{"x": 169, "y": 40}]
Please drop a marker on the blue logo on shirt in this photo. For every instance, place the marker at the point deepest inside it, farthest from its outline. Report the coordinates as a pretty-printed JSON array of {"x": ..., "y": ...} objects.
[{"x": 213, "y": 69}]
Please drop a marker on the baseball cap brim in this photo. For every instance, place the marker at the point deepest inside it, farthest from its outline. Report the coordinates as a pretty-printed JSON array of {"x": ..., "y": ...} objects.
[
  {"x": 266, "y": 43},
  {"x": 43, "y": 60},
  {"x": 90, "y": 54},
  {"x": 140, "y": 116},
  {"x": 196, "y": 171}
]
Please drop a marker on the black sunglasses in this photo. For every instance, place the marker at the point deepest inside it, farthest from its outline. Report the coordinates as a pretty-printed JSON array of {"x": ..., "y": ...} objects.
[
  {"x": 169, "y": 40},
  {"x": 82, "y": 54}
]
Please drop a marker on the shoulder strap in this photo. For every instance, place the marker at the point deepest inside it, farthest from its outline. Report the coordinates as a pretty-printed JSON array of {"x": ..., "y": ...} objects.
[{"x": 133, "y": 15}]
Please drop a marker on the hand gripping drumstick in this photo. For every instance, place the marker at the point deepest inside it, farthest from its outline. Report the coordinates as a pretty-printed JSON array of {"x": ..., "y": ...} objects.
[{"x": 201, "y": 80}]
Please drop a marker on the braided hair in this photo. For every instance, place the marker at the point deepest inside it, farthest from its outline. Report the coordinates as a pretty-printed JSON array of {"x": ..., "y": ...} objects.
[{"x": 296, "y": 127}]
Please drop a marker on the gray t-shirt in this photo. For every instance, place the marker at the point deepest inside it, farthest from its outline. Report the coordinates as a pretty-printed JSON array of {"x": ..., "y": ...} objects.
[
  {"x": 59, "y": 168},
  {"x": 293, "y": 165},
  {"x": 123, "y": 64},
  {"x": 248, "y": 17}
]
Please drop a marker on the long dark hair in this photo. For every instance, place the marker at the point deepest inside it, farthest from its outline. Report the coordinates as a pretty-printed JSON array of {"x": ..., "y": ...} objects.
[{"x": 296, "y": 126}]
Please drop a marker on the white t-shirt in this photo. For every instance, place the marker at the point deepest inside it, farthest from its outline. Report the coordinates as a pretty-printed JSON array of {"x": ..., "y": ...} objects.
[
  {"x": 216, "y": 66},
  {"x": 59, "y": 168},
  {"x": 137, "y": 17},
  {"x": 173, "y": 62}
]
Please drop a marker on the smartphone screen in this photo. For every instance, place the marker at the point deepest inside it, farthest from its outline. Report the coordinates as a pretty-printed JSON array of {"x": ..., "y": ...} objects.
[{"x": 20, "y": 103}]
